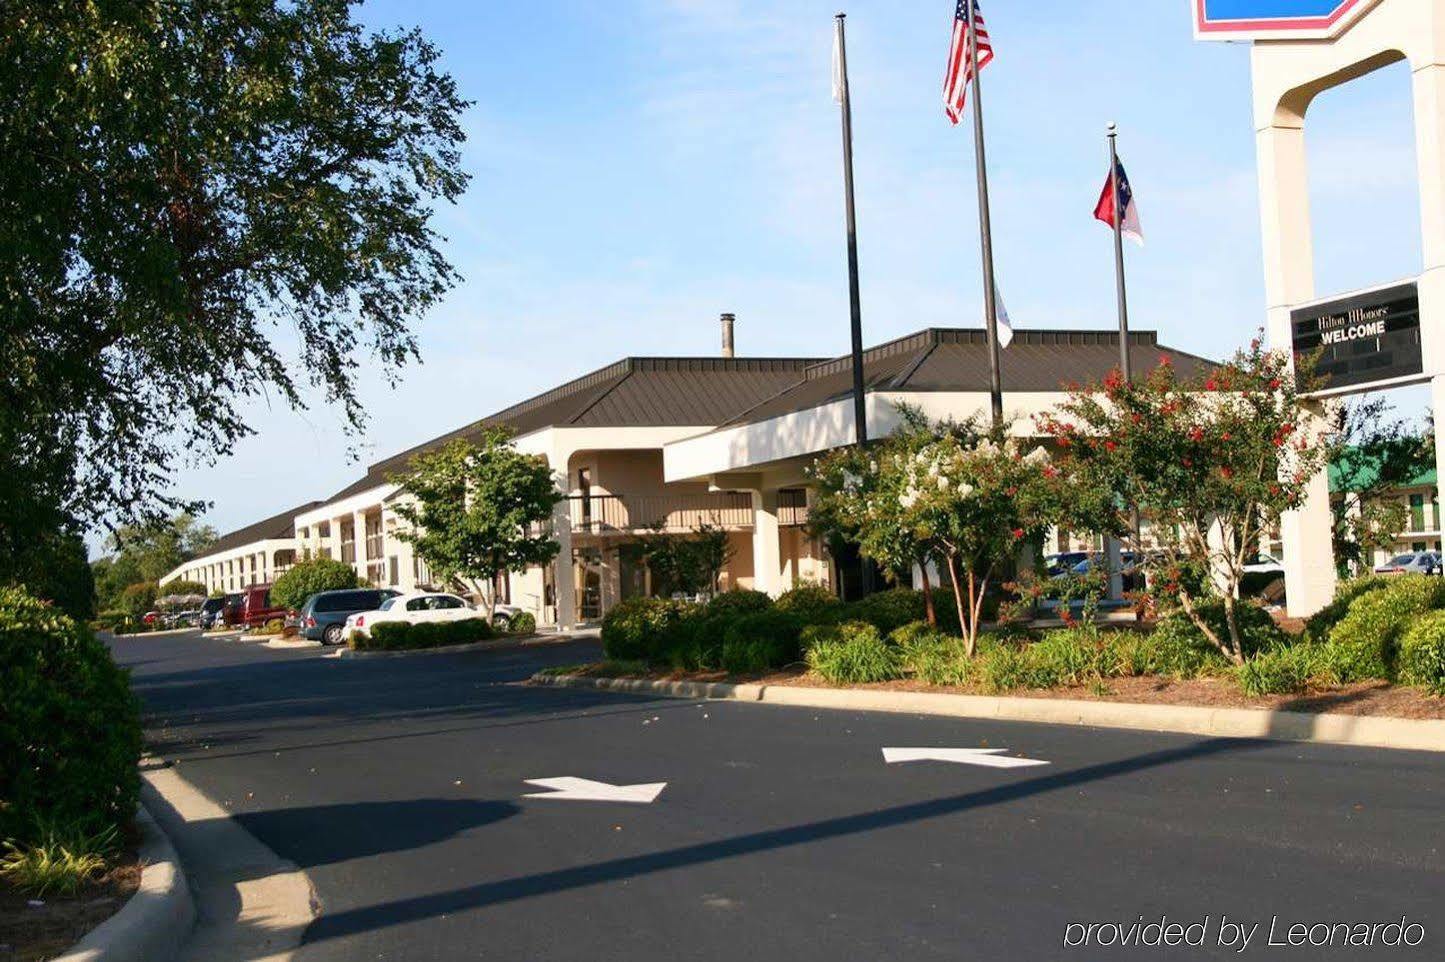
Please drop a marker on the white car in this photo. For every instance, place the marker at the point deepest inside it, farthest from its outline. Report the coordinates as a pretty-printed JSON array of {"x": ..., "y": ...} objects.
[
  {"x": 1264, "y": 564},
  {"x": 1413, "y": 562},
  {"x": 415, "y": 608}
]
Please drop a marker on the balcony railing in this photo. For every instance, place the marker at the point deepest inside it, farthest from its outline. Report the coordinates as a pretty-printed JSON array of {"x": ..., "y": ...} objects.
[
  {"x": 792, "y": 507},
  {"x": 604, "y": 513}
]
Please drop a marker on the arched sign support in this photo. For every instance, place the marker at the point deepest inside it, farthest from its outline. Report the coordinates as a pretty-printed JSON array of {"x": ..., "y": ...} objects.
[{"x": 1346, "y": 40}]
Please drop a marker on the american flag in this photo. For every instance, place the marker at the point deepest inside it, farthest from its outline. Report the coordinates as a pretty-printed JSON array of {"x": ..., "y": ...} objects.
[{"x": 960, "y": 58}]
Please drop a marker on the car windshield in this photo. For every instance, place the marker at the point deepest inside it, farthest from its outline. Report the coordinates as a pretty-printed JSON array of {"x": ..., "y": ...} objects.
[{"x": 1402, "y": 560}]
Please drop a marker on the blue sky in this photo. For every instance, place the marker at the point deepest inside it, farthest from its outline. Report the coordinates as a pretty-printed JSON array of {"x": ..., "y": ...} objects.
[{"x": 641, "y": 165}]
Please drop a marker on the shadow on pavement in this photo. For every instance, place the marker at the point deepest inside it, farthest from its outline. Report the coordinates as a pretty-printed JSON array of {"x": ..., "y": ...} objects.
[
  {"x": 327, "y": 834},
  {"x": 487, "y": 894}
]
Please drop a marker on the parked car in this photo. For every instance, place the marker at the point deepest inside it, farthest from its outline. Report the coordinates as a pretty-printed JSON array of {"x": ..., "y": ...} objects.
[
  {"x": 1062, "y": 563},
  {"x": 256, "y": 607},
  {"x": 502, "y": 615},
  {"x": 416, "y": 607},
  {"x": 211, "y": 611},
  {"x": 1131, "y": 567},
  {"x": 150, "y": 617},
  {"x": 323, "y": 616},
  {"x": 231, "y": 609},
  {"x": 1412, "y": 562}
]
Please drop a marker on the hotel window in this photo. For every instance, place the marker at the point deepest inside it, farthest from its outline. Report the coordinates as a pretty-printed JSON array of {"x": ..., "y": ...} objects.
[
  {"x": 373, "y": 536},
  {"x": 393, "y": 571},
  {"x": 348, "y": 540},
  {"x": 1417, "y": 512}
]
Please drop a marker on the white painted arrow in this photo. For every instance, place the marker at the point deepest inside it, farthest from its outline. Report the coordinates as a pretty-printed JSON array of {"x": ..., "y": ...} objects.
[
  {"x": 987, "y": 757},
  {"x": 572, "y": 789}
]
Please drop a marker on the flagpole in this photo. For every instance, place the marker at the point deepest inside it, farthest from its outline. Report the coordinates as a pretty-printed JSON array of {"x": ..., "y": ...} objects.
[
  {"x": 985, "y": 227},
  {"x": 860, "y": 404},
  {"x": 1121, "y": 287}
]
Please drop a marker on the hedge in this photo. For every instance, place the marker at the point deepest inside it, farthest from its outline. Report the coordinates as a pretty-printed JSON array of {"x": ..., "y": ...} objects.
[
  {"x": 406, "y": 636},
  {"x": 1422, "y": 653},
  {"x": 1364, "y": 643},
  {"x": 643, "y": 629},
  {"x": 1319, "y": 624},
  {"x": 70, "y": 734}
]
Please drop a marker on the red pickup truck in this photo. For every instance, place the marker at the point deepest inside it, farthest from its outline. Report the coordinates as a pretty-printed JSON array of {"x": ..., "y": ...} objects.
[{"x": 256, "y": 607}]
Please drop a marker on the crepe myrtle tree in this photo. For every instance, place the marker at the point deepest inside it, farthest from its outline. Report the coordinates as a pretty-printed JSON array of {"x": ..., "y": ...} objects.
[
  {"x": 478, "y": 509},
  {"x": 978, "y": 496},
  {"x": 858, "y": 499},
  {"x": 1214, "y": 459}
]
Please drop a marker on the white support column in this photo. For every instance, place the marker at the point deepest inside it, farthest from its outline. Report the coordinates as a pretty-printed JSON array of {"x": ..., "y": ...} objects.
[
  {"x": 1289, "y": 280},
  {"x": 358, "y": 542},
  {"x": 565, "y": 582},
  {"x": 767, "y": 559},
  {"x": 1428, "y": 84}
]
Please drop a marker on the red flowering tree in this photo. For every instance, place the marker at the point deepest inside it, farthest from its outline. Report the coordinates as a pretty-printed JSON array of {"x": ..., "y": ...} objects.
[{"x": 1213, "y": 460}]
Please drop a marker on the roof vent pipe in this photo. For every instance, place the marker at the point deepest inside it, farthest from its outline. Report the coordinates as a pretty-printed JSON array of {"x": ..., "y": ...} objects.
[{"x": 728, "y": 321}]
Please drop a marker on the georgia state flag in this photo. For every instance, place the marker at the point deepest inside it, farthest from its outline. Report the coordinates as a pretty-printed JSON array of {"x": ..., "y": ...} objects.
[{"x": 1121, "y": 195}]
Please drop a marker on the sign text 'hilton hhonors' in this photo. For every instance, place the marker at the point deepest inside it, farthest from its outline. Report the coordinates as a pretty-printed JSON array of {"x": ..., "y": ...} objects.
[{"x": 1362, "y": 339}]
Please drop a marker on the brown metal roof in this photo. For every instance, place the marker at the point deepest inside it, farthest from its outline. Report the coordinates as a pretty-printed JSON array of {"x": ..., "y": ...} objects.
[
  {"x": 633, "y": 392},
  {"x": 954, "y": 359},
  {"x": 278, "y": 526}
]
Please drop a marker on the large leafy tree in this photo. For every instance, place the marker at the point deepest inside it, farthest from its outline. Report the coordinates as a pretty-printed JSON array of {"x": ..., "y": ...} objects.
[
  {"x": 478, "y": 509},
  {"x": 1213, "y": 460},
  {"x": 201, "y": 203},
  {"x": 1371, "y": 455},
  {"x": 147, "y": 552},
  {"x": 309, "y": 576}
]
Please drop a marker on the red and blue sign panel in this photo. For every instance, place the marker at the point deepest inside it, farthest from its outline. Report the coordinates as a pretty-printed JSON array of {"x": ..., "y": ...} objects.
[{"x": 1275, "y": 19}]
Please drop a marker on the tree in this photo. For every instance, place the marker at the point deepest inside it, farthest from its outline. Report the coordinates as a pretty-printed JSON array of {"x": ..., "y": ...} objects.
[
  {"x": 977, "y": 497},
  {"x": 55, "y": 569},
  {"x": 148, "y": 552},
  {"x": 689, "y": 563},
  {"x": 1370, "y": 455},
  {"x": 859, "y": 500},
  {"x": 185, "y": 186},
  {"x": 137, "y": 599},
  {"x": 1214, "y": 460},
  {"x": 479, "y": 509},
  {"x": 305, "y": 578}
]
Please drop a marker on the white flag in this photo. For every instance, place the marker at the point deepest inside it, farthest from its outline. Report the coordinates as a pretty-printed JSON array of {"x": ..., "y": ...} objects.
[
  {"x": 837, "y": 67},
  {"x": 1005, "y": 327}
]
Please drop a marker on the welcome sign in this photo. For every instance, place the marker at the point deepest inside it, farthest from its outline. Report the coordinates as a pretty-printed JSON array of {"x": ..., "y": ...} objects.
[
  {"x": 1362, "y": 341},
  {"x": 1275, "y": 19}
]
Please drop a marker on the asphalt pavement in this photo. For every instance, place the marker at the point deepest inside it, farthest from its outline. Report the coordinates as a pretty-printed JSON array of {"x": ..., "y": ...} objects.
[{"x": 401, "y": 786}]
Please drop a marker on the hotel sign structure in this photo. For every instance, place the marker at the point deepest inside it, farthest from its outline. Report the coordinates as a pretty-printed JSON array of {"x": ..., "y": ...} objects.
[
  {"x": 1379, "y": 338},
  {"x": 1362, "y": 341},
  {"x": 1275, "y": 19}
]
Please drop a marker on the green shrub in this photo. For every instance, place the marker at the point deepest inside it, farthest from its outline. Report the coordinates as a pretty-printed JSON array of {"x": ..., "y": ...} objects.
[
  {"x": 70, "y": 735},
  {"x": 1363, "y": 644},
  {"x": 702, "y": 649},
  {"x": 1004, "y": 668},
  {"x": 406, "y": 636},
  {"x": 852, "y": 653},
  {"x": 1069, "y": 656},
  {"x": 1319, "y": 625},
  {"x": 522, "y": 623},
  {"x": 641, "y": 628},
  {"x": 1182, "y": 650},
  {"x": 1422, "y": 653},
  {"x": 933, "y": 657},
  {"x": 306, "y": 578},
  {"x": 739, "y": 601},
  {"x": 1282, "y": 670},
  {"x": 887, "y": 610},
  {"x": 274, "y": 627},
  {"x": 813, "y": 603},
  {"x": 762, "y": 641}
]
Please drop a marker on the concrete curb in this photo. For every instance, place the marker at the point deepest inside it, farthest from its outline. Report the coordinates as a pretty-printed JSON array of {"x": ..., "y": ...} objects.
[
  {"x": 251, "y": 904},
  {"x": 277, "y": 641},
  {"x": 1426, "y": 735},
  {"x": 155, "y": 634},
  {"x": 494, "y": 644},
  {"x": 151, "y": 926}
]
